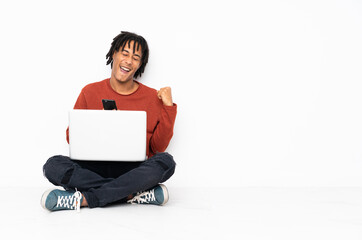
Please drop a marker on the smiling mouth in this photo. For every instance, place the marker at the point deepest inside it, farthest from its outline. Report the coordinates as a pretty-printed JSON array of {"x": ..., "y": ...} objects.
[{"x": 125, "y": 69}]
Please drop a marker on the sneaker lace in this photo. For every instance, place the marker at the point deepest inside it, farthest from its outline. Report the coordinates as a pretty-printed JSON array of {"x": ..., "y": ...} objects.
[
  {"x": 70, "y": 202},
  {"x": 143, "y": 197}
]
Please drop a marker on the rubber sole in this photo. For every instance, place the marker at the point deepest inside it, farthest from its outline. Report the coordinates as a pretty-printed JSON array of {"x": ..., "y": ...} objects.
[
  {"x": 44, "y": 197},
  {"x": 165, "y": 194}
]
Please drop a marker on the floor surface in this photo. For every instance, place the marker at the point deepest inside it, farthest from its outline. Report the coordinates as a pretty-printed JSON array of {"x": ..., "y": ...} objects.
[{"x": 194, "y": 213}]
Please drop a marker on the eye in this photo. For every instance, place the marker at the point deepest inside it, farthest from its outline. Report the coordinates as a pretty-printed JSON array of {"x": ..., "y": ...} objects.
[{"x": 136, "y": 59}]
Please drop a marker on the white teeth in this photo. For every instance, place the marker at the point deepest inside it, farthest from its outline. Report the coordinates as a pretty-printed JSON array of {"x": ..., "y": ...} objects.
[{"x": 126, "y": 69}]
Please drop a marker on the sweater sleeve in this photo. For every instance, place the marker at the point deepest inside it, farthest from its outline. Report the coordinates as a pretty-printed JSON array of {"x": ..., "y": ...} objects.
[
  {"x": 163, "y": 133},
  {"x": 81, "y": 103}
]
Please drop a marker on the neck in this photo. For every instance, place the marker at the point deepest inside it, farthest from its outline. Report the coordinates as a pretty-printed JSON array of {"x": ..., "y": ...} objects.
[{"x": 124, "y": 88}]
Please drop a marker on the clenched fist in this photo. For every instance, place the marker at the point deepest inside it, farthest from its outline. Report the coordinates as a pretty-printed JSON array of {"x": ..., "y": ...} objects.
[{"x": 165, "y": 95}]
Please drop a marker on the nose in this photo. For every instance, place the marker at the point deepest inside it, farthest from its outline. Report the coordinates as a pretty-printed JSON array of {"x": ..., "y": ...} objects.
[{"x": 128, "y": 60}]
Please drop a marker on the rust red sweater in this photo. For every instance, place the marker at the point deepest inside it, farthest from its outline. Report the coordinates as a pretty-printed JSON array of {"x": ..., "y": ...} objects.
[{"x": 160, "y": 118}]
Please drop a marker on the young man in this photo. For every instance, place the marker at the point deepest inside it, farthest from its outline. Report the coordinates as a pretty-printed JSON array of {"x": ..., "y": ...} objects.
[{"x": 95, "y": 184}]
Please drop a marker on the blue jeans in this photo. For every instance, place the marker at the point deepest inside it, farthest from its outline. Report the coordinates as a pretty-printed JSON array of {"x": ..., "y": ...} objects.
[{"x": 103, "y": 183}]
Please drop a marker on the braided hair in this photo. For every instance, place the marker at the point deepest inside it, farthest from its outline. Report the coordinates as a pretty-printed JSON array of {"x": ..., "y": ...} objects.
[{"x": 127, "y": 37}]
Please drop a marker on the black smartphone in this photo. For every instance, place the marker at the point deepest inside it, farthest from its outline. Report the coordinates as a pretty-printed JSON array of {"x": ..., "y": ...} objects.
[{"x": 109, "y": 104}]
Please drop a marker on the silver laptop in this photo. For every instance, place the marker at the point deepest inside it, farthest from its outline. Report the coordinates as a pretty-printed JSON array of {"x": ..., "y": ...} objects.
[{"x": 104, "y": 135}]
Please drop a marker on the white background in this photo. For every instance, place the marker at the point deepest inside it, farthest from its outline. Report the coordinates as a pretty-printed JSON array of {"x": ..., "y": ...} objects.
[{"x": 268, "y": 92}]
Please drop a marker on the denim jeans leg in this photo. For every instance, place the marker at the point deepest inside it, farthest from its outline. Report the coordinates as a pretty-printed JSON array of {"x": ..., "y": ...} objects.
[
  {"x": 156, "y": 169},
  {"x": 63, "y": 171}
]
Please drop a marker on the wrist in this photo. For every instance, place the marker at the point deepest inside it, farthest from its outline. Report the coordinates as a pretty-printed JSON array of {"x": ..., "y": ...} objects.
[{"x": 168, "y": 104}]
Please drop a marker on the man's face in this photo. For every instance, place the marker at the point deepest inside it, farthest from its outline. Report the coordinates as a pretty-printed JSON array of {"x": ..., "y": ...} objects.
[{"x": 126, "y": 62}]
